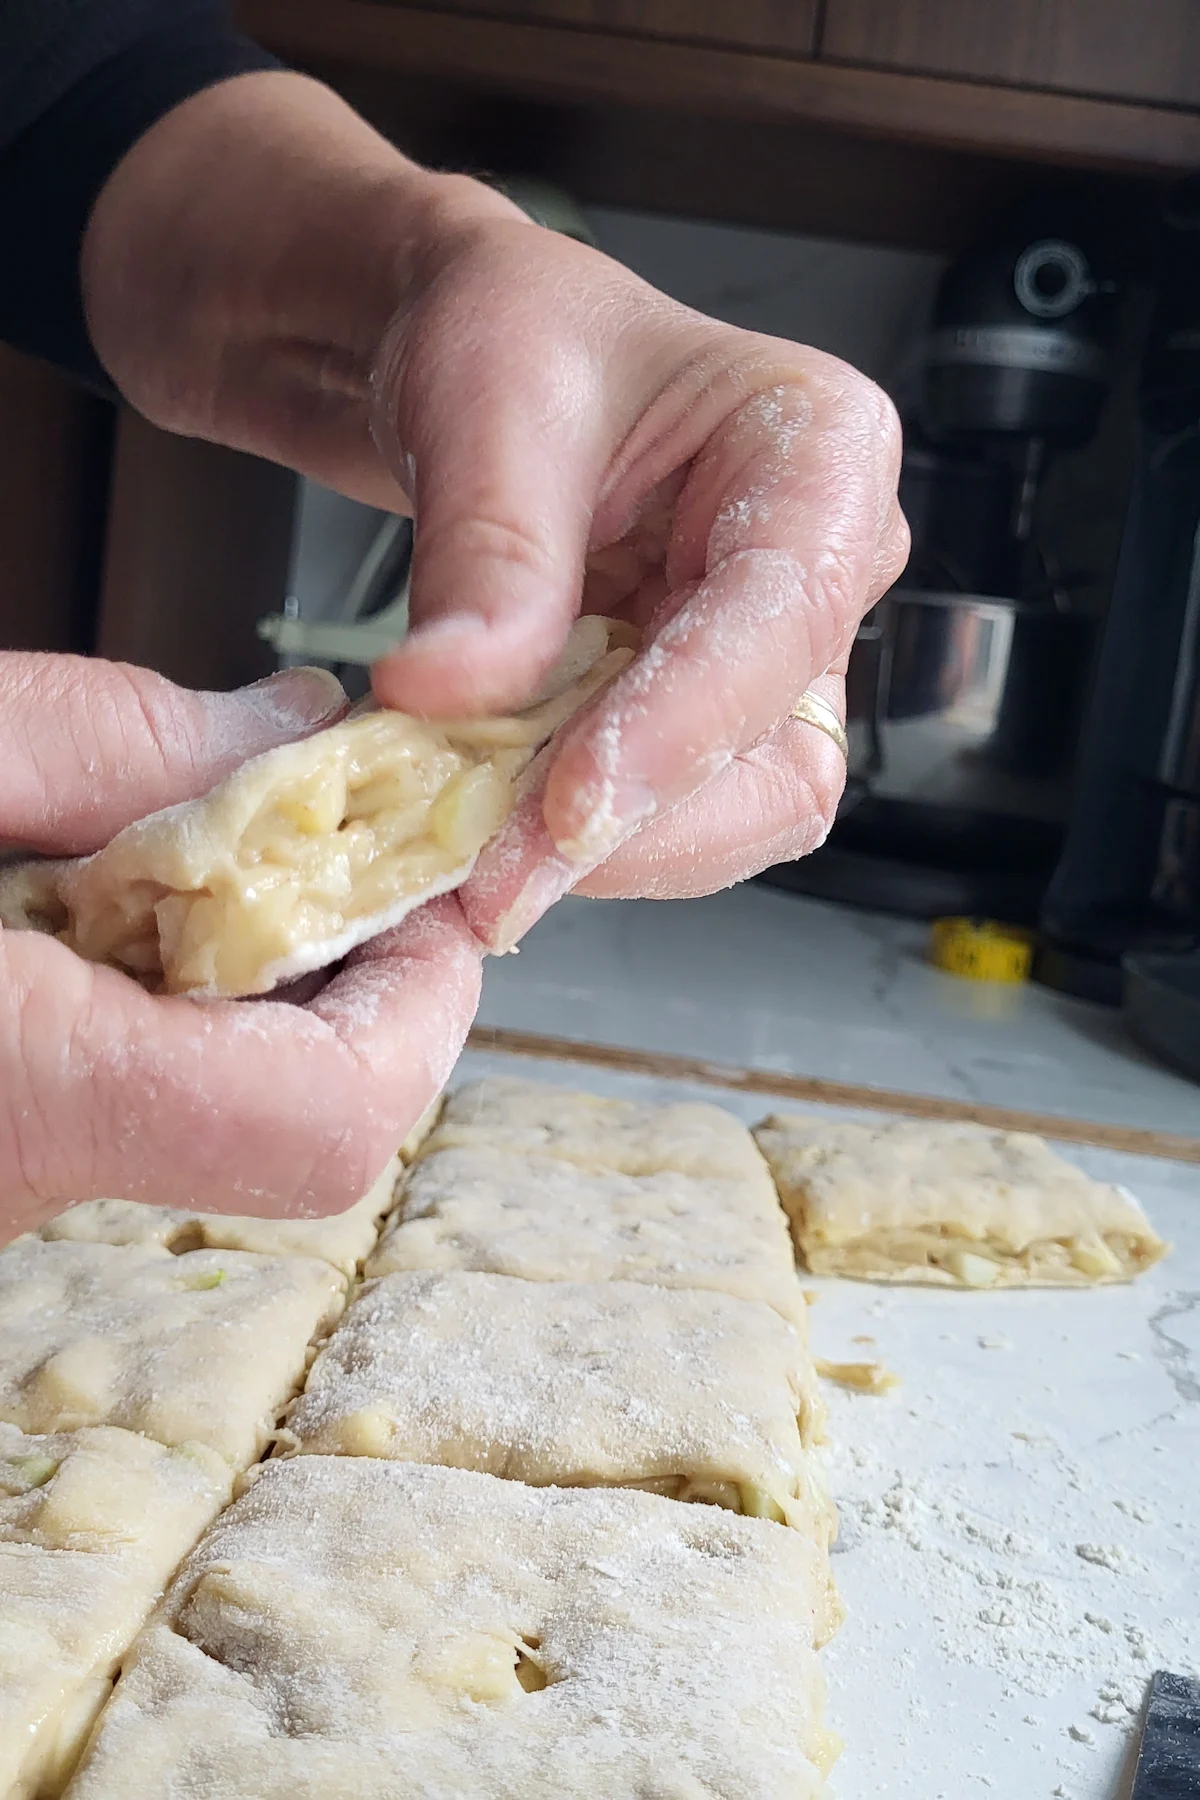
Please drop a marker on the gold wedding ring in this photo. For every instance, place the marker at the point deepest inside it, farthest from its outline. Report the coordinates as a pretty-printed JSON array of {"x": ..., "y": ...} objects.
[{"x": 810, "y": 709}]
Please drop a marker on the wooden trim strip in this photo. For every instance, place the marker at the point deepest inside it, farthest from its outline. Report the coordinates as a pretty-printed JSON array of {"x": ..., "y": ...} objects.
[
  {"x": 566, "y": 64},
  {"x": 1168, "y": 1145}
]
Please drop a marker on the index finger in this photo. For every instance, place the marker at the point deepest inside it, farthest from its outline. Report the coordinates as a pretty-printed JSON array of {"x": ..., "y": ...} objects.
[{"x": 786, "y": 530}]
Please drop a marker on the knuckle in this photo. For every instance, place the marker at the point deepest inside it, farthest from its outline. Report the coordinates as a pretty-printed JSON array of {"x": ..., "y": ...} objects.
[
  {"x": 490, "y": 537},
  {"x": 137, "y": 722}
]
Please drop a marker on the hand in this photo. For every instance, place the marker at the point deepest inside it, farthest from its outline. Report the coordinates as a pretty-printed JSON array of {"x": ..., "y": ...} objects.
[
  {"x": 595, "y": 444},
  {"x": 260, "y": 1107},
  {"x": 264, "y": 270}
]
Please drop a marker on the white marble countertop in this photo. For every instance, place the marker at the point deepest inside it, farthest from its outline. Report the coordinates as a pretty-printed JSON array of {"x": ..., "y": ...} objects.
[
  {"x": 770, "y": 981},
  {"x": 1020, "y": 1517}
]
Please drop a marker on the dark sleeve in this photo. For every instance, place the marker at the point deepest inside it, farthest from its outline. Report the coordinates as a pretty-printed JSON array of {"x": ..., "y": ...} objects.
[{"x": 80, "y": 81}]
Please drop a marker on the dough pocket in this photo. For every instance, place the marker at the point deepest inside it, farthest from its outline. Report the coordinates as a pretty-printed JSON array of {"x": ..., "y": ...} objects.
[
  {"x": 308, "y": 850},
  {"x": 950, "y": 1204},
  {"x": 349, "y": 1621}
]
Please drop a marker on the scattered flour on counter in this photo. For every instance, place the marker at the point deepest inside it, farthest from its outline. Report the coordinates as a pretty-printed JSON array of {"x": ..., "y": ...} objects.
[{"x": 1015, "y": 1588}]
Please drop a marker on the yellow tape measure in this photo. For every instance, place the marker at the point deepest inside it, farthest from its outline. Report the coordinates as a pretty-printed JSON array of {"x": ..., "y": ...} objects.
[{"x": 981, "y": 950}]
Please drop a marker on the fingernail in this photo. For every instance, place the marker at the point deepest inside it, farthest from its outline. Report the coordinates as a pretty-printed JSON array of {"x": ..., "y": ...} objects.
[
  {"x": 612, "y": 817},
  {"x": 549, "y": 882},
  {"x": 295, "y": 699}
]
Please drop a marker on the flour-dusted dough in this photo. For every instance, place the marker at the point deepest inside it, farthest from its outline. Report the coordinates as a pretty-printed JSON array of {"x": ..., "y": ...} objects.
[
  {"x": 954, "y": 1204},
  {"x": 204, "y": 1347},
  {"x": 92, "y": 1526},
  {"x": 343, "y": 1239},
  {"x": 534, "y": 1118},
  {"x": 308, "y": 850},
  {"x": 363, "y": 1630},
  {"x": 544, "y": 1219},
  {"x": 413, "y": 1143},
  {"x": 696, "y": 1396}
]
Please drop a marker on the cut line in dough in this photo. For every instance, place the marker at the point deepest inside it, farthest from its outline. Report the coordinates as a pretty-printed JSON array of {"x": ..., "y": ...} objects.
[
  {"x": 692, "y": 1395},
  {"x": 544, "y": 1219},
  {"x": 356, "y": 1630},
  {"x": 306, "y": 851},
  {"x": 92, "y": 1526},
  {"x": 955, "y": 1205},
  {"x": 205, "y": 1347}
]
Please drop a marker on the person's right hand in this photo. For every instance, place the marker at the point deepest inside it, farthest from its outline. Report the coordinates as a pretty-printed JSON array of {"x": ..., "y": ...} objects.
[{"x": 260, "y": 1107}]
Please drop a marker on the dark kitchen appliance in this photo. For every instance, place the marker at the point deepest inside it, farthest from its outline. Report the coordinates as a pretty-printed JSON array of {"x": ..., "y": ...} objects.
[
  {"x": 966, "y": 682},
  {"x": 1168, "y": 1764},
  {"x": 1128, "y": 883}
]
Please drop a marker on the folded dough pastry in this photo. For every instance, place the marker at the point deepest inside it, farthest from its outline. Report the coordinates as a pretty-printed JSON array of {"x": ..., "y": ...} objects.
[
  {"x": 960, "y": 1205},
  {"x": 533, "y": 1118},
  {"x": 543, "y": 1219},
  {"x": 205, "y": 1347},
  {"x": 696, "y": 1396},
  {"x": 308, "y": 850},
  {"x": 343, "y": 1239},
  {"x": 363, "y": 1630},
  {"x": 92, "y": 1526}
]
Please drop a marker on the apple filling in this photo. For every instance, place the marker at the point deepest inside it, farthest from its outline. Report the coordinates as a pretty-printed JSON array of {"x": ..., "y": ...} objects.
[{"x": 308, "y": 850}]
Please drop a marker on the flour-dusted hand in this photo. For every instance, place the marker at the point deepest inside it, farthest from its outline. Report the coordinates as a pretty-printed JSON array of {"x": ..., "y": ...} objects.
[
  {"x": 248, "y": 1107},
  {"x": 263, "y": 269},
  {"x": 573, "y": 437}
]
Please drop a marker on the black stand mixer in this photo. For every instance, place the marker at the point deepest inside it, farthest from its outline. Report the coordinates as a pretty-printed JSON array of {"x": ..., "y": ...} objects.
[
  {"x": 1128, "y": 886},
  {"x": 966, "y": 682}
]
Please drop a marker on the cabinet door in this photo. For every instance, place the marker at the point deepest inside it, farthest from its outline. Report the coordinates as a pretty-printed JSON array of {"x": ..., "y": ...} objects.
[
  {"x": 199, "y": 540},
  {"x": 1129, "y": 49},
  {"x": 54, "y": 458},
  {"x": 787, "y": 25}
]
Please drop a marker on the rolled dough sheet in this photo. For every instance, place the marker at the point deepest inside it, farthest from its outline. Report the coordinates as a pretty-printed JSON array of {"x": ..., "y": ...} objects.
[
  {"x": 362, "y": 1630},
  {"x": 955, "y": 1204},
  {"x": 544, "y": 1219},
  {"x": 308, "y": 850},
  {"x": 206, "y": 1347},
  {"x": 693, "y": 1395},
  {"x": 622, "y": 1136},
  {"x": 343, "y": 1240},
  {"x": 92, "y": 1526}
]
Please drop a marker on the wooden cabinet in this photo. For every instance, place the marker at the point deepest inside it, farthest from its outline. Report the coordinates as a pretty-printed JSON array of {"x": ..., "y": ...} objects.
[
  {"x": 54, "y": 460},
  {"x": 1125, "y": 49},
  {"x": 784, "y": 25},
  {"x": 199, "y": 539},
  {"x": 582, "y": 72}
]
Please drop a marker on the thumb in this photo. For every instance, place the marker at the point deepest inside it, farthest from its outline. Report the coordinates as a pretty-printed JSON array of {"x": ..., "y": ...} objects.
[
  {"x": 89, "y": 746},
  {"x": 503, "y": 462}
]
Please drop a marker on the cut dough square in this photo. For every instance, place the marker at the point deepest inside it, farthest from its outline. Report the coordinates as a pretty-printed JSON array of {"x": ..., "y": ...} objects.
[
  {"x": 307, "y": 850},
  {"x": 363, "y": 1630},
  {"x": 92, "y": 1526},
  {"x": 343, "y": 1240},
  {"x": 958, "y": 1205},
  {"x": 543, "y": 1219},
  {"x": 532, "y": 1118},
  {"x": 693, "y": 1395},
  {"x": 205, "y": 1347}
]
